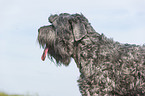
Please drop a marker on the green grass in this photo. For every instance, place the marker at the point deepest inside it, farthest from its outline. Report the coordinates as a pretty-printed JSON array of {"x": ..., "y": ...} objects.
[{"x": 4, "y": 94}]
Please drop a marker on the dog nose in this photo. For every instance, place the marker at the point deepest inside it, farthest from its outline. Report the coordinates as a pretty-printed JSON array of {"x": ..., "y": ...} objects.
[{"x": 38, "y": 30}]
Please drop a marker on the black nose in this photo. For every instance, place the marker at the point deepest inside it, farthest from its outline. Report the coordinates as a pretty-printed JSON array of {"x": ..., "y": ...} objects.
[{"x": 38, "y": 30}]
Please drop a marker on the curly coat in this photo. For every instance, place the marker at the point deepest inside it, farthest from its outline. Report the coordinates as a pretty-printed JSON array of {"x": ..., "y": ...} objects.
[{"x": 107, "y": 68}]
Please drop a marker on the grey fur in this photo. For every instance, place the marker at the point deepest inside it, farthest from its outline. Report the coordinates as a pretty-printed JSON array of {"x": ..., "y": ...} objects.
[{"x": 107, "y": 68}]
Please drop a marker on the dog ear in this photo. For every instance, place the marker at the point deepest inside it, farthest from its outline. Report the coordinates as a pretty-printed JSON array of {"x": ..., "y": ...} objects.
[
  {"x": 52, "y": 19},
  {"x": 79, "y": 30},
  {"x": 77, "y": 25}
]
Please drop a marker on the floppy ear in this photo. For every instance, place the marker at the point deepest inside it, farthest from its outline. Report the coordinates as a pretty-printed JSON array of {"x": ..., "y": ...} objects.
[
  {"x": 52, "y": 19},
  {"x": 79, "y": 30}
]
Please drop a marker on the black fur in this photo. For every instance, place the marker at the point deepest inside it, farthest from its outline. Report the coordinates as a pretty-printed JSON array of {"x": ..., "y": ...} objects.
[{"x": 107, "y": 68}]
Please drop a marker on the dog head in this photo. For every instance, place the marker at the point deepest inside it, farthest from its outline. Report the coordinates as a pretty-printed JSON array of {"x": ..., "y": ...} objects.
[{"x": 58, "y": 38}]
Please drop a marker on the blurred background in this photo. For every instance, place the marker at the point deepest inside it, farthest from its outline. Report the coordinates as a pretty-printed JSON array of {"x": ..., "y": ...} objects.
[{"x": 21, "y": 68}]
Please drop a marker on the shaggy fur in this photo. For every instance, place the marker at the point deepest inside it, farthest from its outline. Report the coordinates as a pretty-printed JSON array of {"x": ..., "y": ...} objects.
[{"x": 107, "y": 68}]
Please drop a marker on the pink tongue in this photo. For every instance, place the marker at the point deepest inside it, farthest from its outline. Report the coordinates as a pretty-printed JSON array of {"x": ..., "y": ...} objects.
[{"x": 44, "y": 54}]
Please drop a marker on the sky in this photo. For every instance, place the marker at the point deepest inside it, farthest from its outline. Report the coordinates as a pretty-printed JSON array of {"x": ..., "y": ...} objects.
[{"x": 21, "y": 68}]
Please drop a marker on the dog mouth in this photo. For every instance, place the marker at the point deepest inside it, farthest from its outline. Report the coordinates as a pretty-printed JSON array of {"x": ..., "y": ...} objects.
[{"x": 44, "y": 54}]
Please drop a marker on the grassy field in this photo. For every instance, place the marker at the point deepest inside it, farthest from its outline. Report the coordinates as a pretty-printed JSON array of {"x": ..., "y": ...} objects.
[{"x": 4, "y": 94}]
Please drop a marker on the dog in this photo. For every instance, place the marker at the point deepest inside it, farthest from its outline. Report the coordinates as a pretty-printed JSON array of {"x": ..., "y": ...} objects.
[{"x": 107, "y": 67}]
